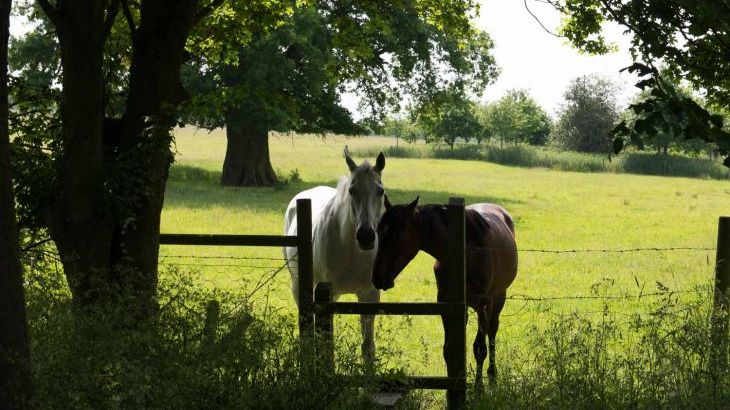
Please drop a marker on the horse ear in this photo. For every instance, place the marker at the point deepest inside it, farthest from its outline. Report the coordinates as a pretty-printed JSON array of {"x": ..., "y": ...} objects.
[
  {"x": 350, "y": 163},
  {"x": 380, "y": 163},
  {"x": 387, "y": 202},
  {"x": 413, "y": 204}
]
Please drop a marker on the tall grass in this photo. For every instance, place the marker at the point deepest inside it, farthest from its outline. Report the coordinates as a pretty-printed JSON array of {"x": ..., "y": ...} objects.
[
  {"x": 545, "y": 157},
  {"x": 249, "y": 358},
  {"x": 660, "y": 359}
]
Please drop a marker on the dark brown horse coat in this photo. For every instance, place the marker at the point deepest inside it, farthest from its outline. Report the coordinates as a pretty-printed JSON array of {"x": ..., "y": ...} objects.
[{"x": 491, "y": 259}]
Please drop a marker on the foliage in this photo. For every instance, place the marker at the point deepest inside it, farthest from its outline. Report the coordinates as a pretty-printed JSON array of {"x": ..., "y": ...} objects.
[
  {"x": 587, "y": 116},
  {"x": 447, "y": 116},
  {"x": 669, "y": 111},
  {"x": 402, "y": 128},
  {"x": 690, "y": 39},
  {"x": 247, "y": 358},
  {"x": 657, "y": 359},
  {"x": 523, "y": 155},
  {"x": 669, "y": 136},
  {"x": 290, "y": 78},
  {"x": 516, "y": 117},
  {"x": 278, "y": 81},
  {"x": 34, "y": 64}
]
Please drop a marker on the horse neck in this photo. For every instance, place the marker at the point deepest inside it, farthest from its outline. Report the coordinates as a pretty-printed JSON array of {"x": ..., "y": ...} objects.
[
  {"x": 433, "y": 236},
  {"x": 338, "y": 213}
]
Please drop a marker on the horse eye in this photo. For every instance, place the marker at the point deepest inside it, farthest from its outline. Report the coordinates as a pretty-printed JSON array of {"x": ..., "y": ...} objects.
[
  {"x": 381, "y": 191},
  {"x": 352, "y": 190}
]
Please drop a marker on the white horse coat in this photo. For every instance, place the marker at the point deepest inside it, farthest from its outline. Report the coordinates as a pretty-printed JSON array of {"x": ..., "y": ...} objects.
[{"x": 343, "y": 223}]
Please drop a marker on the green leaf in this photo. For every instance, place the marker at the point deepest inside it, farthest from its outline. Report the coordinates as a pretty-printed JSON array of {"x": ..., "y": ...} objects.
[{"x": 618, "y": 145}]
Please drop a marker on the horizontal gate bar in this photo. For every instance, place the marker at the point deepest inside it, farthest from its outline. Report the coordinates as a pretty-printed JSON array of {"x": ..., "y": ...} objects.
[
  {"x": 411, "y": 382},
  {"x": 227, "y": 240},
  {"x": 390, "y": 308}
]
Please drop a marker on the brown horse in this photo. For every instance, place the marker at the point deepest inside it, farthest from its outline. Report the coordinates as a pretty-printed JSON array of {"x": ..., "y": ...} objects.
[{"x": 491, "y": 259}]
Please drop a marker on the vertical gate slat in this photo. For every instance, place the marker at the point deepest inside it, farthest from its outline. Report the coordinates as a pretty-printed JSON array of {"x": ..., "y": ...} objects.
[
  {"x": 455, "y": 325},
  {"x": 305, "y": 266}
]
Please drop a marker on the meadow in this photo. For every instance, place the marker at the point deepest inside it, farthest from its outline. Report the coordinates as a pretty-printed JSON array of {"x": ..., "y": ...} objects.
[{"x": 553, "y": 210}]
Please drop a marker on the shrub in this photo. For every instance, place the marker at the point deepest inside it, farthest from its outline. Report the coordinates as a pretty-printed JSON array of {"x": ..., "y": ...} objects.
[
  {"x": 658, "y": 359},
  {"x": 249, "y": 359}
]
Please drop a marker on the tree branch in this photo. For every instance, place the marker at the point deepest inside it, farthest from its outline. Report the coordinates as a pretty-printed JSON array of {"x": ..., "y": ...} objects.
[
  {"x": 129, "y": 17},
  {"x": 53, "y": 14},
  {"x": 111, "y": 15},
  {"x": 540, "y": 22},
  {"x": 200, "y": 15}
]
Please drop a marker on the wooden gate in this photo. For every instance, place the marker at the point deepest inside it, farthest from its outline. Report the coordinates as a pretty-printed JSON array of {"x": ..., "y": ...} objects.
[{"x": 453, "y": 312}]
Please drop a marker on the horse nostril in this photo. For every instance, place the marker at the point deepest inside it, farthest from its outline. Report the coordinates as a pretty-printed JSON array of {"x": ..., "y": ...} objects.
[{"x": 365, "y": 236}]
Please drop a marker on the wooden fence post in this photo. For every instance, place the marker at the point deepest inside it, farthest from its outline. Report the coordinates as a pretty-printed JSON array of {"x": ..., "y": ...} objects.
[
  {"x": 721, "y": 307},
  {"x": 212, "y": 315},
  {"x": 305, "y": 266},
  {"x": 324, "y": 326},
  {"x": 455, "y": 325}
]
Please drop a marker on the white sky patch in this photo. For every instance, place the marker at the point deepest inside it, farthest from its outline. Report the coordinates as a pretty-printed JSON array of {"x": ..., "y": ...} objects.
[
  {"x": 532, "y": 59},
  {"x": 535, "y": 60}
]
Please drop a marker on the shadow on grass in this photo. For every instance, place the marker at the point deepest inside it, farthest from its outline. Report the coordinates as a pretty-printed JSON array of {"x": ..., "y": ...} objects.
[{"x": 192, "y": 187}]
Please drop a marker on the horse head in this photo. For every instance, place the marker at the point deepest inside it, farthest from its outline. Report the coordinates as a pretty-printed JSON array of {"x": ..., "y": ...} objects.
[
  {"x": 365, "y": 191},
  {"x": 398, "y": 242}
]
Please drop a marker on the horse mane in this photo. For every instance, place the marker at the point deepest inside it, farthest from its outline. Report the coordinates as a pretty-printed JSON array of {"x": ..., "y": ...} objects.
[{"x": 342, "y": 193}]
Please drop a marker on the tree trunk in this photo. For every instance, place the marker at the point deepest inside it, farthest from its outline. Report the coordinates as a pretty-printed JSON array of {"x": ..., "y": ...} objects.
[
  {"x": 14, "y": 350},
  {"x": 247, "y": 160},
  {"x": 111, "y": 250},
  {"x": 80, "y": 222}
]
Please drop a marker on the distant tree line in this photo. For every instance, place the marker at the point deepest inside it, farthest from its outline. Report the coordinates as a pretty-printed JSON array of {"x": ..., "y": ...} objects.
[{"x": 584, "y": 121}]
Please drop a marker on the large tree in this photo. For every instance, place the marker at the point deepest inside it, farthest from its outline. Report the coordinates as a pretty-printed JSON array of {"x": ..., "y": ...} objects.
[
  {"x": 691, "y": 39},
  {"x": 101, "y": 174},
  {"x": 448, "y": 116},
  {"x": 279, "y": 80},
  {"x": 291, "y": 79},
  {"x": 516, "y": 117},
  {"x": 14, "y": 351},
  {"x": 587, "y": 115}
]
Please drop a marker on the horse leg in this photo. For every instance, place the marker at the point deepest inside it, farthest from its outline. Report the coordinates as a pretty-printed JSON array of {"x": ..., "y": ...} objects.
[
  {"x": 367, "y": 325},
  {"x": 480, "y": 345},
  {"x": 492, "y": 327}
]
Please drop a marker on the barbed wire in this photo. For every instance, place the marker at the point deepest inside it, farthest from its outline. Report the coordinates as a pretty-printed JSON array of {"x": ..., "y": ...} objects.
[
  {"x": 528, "y": 298},
  {"x": 272, "y": 271},
  {"x": 223, "y": 257},
  {"x": 221, "y": 265},
  {"x": 471, "y": 249},
  {"x": 594, "y": 250}
]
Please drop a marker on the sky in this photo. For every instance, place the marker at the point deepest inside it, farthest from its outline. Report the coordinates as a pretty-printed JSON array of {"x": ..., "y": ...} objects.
[
  {"x": 543, "y": 64},
  {"x": 535, "y": 60}
]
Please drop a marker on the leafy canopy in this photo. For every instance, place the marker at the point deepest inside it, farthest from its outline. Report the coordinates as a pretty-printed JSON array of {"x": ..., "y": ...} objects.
[
  {"x": 383, "y": 51},
  {"x": 587, "y": 115},
  {"x": 516, "y": 117},
  {"x": 690, "y": 39}
]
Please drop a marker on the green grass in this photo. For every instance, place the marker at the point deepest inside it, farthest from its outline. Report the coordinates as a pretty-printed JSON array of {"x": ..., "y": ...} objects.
[
  {"x": 552, "y": 210},
  {"x": 632, "y": 162}
]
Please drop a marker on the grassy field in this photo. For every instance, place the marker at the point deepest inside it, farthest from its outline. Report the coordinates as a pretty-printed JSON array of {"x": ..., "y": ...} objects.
[{"x": 552, "y": 210}]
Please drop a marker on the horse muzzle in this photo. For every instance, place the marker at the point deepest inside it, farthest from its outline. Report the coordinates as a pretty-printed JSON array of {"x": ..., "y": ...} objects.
[{"x": 365, "y": 238}]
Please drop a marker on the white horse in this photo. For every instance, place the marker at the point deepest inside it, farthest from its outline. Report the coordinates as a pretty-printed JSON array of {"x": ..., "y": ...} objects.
[{"x": 343, "y": 237}]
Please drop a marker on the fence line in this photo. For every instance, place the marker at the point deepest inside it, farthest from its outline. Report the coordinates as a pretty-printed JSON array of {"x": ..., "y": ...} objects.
[
  {"x": 272, "y": 271},
  {"x": 473, "y": 249},
  {"x": 223, "y": 257},
  {"x": 528, "y": 298},
  {"x": 619, "y": 250}
]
